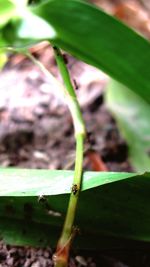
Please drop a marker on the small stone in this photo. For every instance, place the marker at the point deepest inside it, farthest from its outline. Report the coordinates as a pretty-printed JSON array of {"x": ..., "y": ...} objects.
[
  {"x": 44, "y": 101},
  {"x": 5, "y": 163},
  {"x": 81, "y": 260},
  {"x": 42, "y": 261},
  {"x": 10, "y": 261},
  {"x": 45, "y": 88},
  {"x": 33, "y": 75},
  {"x": 27, "y": 263},
  {"x": 41, "y": 156},
  {"x": 46, "y": 254},
  {"x": 40, "y": 251},
  {"x": 39, "y": 111},
  {"x": 36, "y": 264}
]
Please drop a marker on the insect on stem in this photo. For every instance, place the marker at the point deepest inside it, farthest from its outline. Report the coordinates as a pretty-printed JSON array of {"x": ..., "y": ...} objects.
[{"x": 64, "y": 243}]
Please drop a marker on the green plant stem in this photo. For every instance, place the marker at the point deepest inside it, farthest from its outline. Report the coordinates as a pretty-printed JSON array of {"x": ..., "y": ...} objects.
[
  {"x": 51, "y": 79},
  {"x": 63, "y": 246},
  {"x": 68, "y": 232}
]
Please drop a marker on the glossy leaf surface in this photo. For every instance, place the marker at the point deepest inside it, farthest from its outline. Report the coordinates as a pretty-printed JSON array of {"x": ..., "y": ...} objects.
[
  {"x": 118, "y": 206},
  {"x": 100, "y": 40}
]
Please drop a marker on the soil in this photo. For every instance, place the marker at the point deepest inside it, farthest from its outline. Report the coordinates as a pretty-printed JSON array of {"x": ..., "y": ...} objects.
[
  {"x": 36, "y": 131},
  {"x": 36, "y": 128}
]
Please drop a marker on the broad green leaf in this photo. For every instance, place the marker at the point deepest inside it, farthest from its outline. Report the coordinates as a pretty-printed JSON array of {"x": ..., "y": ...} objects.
[
  {"x": 7, "y": 9},
  {"x": 118, "y": 207},
  {"x": 132, "y": 114},
  {"x": 98, "y": 39},
  {"x": 25, "y": 182}
]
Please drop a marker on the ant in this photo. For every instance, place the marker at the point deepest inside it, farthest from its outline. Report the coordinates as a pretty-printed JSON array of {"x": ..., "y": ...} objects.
[{"x": 74, "y": 189}]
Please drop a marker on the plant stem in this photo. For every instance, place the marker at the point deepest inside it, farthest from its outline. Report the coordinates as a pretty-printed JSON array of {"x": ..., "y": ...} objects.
[
  {"x": 51, "y": 79},
  {"x": 63, "y": 246},
  {"x": 68, "y": 232}
]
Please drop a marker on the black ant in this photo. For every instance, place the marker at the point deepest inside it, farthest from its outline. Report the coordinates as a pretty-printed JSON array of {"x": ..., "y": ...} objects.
[{"x": 74, "y": 189}]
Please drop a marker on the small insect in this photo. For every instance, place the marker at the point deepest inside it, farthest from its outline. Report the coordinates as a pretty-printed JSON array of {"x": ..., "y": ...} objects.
[
  {"x": 74, "y": 189},
  {"x": 88, "y": 137},
  {"x": 65, "y": 58},
  {"x": 56, "y": 50},
  {"x": 75, "y": 84}
]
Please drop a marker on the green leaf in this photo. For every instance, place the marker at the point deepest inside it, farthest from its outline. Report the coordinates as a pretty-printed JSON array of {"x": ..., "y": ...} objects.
[
  {"x": 92, "y": 36},
  {"x": 25, "y": 182},
  {"x": 98, "y": 39},
  {"x": 118, "y": 207},
  {"x": 7, "y": 9},
  {"x": 132, "y": 114}
]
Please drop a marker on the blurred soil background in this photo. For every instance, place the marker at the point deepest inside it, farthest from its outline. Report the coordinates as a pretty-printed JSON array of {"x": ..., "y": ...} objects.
[{"x": 36, "y": 130}]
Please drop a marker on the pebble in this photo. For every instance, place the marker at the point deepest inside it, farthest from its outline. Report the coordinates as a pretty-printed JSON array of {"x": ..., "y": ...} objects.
[
  {"x": 36, "y": 264},
  {"x": 46, "y": 254},
  {"x": 27, "y": 263},
  {"x": 10, "y": 261}
]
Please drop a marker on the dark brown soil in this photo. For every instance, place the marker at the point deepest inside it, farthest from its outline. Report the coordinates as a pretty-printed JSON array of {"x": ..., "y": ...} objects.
[{"x": 36, "y": 128}]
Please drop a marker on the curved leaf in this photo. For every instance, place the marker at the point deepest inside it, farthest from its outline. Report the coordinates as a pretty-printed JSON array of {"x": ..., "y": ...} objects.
[
  {"x": 118, "y": 206},
  {"x": 26, "y": 182},
  {"x": 98, "y": 39}
]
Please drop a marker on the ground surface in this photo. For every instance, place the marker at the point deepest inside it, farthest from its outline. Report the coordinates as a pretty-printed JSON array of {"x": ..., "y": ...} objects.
[
  {"x": 36, "y": 131},
  {"x": 36, "y": 128}
]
